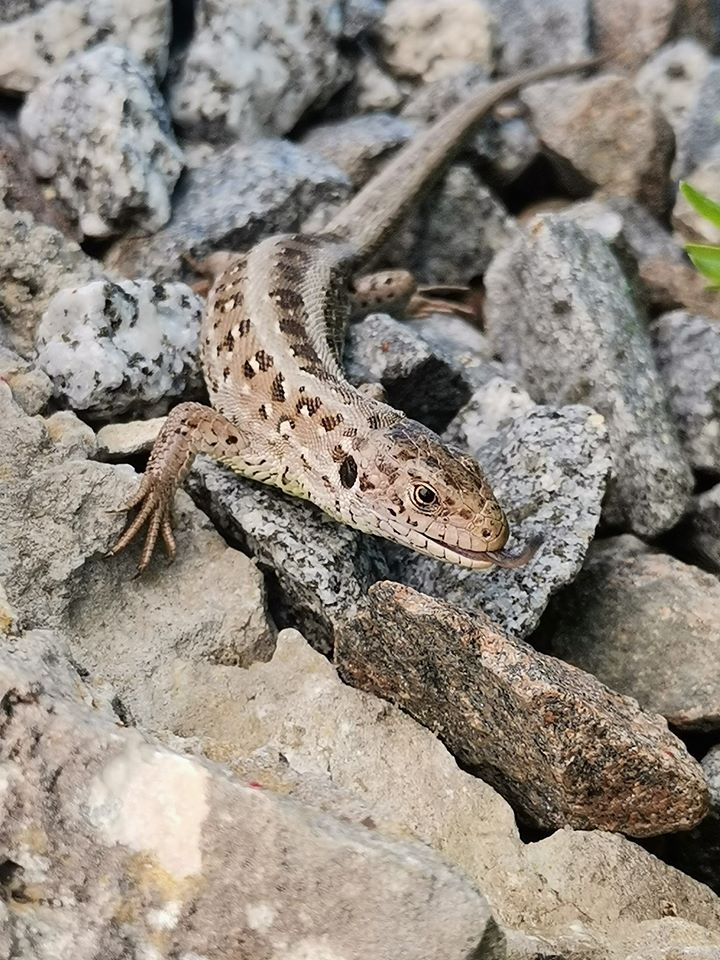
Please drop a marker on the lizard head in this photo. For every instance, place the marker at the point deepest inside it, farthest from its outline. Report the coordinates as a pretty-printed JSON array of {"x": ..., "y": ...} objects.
[{"x": 411, "y": 488}]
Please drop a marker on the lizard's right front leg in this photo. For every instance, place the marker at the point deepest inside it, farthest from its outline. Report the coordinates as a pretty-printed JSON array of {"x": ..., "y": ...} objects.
[{"x": 190, "y": 428}]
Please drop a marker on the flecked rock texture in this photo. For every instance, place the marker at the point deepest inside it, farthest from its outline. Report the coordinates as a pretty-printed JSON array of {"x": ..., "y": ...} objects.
[
  {"x": 110, "y": 348},
  {"x": 560, "y": 311},
  {"x": 36, "y": 36},
  {"x": 100, "y": 130},
  {"x": 570, "y": 751},
  {"x": 253, "y": 68}
]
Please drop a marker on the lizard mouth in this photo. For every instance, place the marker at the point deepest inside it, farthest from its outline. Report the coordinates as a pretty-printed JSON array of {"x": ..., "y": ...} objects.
[{"x": 500, "y": 558}]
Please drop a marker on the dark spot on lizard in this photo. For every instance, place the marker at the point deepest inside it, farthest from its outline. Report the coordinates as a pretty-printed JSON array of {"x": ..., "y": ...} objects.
[
  {"x": 365, "y": 483},
  {"x": 229, "y": 341},
  {"x": 248, "y": 370},
  {"x": 288, "y": 299},
  {"x": 264, "y": 360},
  {"x": 244, "y": 326},
  {"x": 329, "y": 423},
  {"x": 277, "y": 390},
  {"x": 262, "y": 411},
  {"x": 226, "y": 372}
]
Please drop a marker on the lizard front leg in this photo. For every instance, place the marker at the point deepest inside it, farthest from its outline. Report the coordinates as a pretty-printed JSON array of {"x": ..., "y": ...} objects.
[
  {"x": 190, "y": 428},
  {"x": 397, "y": 292}
]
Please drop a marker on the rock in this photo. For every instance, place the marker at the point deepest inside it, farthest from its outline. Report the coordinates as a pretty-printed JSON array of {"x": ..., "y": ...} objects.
[
  {"x": 241, "y": 195},
  {"x": 436, "y": 38},
  {"x": 548, "y": 467},
  {"x": 536, "y": 35},
  {"x": 118, "y": 441},
  {"x": 31, "y": 388},
  {"x": 648, "y": 626},
  {"x": 560, "y": 312},
  {"x": 99, "y": 129},
  {"x": 628, "y": 32},
  {"x": 687, "y": 348},
  {"x": 74, "y": 438},
  {"x": 35, "y": 262},
  {"x": 360, "y": 145},
  {"x": 374, "y": 88},
  {"x": 504, "y": 140},
  {"x": 439, "y": 251},
  {"x": 700, "y": 533},
  {"x": 699, "y": 139},
  {"x": 669, "y": 285},
  {"x": 87, "y": 826},
  {"x": 554, "y": 741},
  {"x": 322, "y": 569},
  {"x": 415, "y": 378},
  {"x": 360, "y": 16},
  {"x": 687, "y": 222},
  {"x": 460, "y": 344},
  {"x": 8, "y": 615},
  {"x": 671, "y": 80},
  {"x": 59, "y": 516},
  {"x": 698, "y": 851},
  {"x": 110, "y": 348},
  {"x": 36, "y": 36},
  {"x": 252, "y": 69},
  {"x": 585, "y": 123}
]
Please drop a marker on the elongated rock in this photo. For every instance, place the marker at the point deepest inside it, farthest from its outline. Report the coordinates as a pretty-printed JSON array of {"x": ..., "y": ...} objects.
[
  {"x": 561, "y": 747},
  {"x": 561, "y": 313}
]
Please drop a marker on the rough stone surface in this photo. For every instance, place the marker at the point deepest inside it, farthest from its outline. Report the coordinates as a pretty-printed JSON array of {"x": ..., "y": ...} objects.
[
  {"x": 534, "y": 34},
  {"x": 415, "y": 378},
  {"x": 570, "y": 752},
  {"x": 647, "y": 625},
  {"x": 548, "y": 468},
  {"x": 110, "y": 348},
  {"x": 585, "y": 124},
  {"x": 68, "y": 433},
  {"x": 35, "y": 262},
  {"x": 322, "y": 568},
  {"x": 239, "y": 196},
  {"x": 31, "y": 388},
  {"x": 118, "y": 441},
  {"x": 252, "y": 68},
  {"x": 99, "y": 130},
  {"x": 428, "y": 39},
  {"x": 58, "y": 514},
  {"x": 628, "y": 31},
  {"x": 460, "y": 344},
  {"x": 687, "y": 348},
  {"x": 361, "y": 145},
  {"x": 38, "y": 35},
  {"x": 561, "y": 313},
  {"x": 672, "y": 78},
  {"x": 374, "y": 88},
  {"x": 96, "y": 860},
  {"x": 701, "y": 531}
]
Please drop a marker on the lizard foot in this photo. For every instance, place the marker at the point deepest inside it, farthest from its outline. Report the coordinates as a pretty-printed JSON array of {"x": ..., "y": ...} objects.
[
  {"x": 155, "y": 502},
  {"x": 457, "y": 301}
]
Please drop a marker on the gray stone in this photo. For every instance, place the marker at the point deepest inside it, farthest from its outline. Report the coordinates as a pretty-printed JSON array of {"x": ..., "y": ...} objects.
[
  {"x": 119, "y": 441},
  {"x": 648, "y": 626},
  {"x": 687, "y": 348},
  {"x": 699, "y": 139},
  {"x": 534, "y": 34},
  {"x": 59, "y": 516},
  {"x": 360, "y": 16},
  {"x": 110, "y": 348},
  {"x": 698, "y": 851},
  {"x": 35, "y": 262},
  {"x": 239, "y": 196},
  {"x": 560, "y": 312},
  {"x": 460, "y": 344},
  {"x": 584, "y": 124},
  {"x": 322, "y": 569},
  {"x": 360, "y": 145},
  {"x": 252, "y": 68},
  {"x": 504, "y": 140},
  {"x": 492, "y": 407},
  {"x": 38, "y": 35},
  {"x": 415, "y": 378},
  {"x": 628, "y": 31},
  {"x": 31, "y": 388},
  {"x": 436, "y": 38},
  {"x": 548, "y": 468},
  {"x": 70, "y": 435},
  {"x": 671, "y": 80},
  {"x": 86, "y": 826},
  {"x": 98, "y": 128},
  {"x": 564, "y": 749},
  {"x": 374, "y": 88}
]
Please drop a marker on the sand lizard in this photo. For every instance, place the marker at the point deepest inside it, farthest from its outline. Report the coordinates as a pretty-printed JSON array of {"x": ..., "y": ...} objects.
[{"x": 282, "y": 411}]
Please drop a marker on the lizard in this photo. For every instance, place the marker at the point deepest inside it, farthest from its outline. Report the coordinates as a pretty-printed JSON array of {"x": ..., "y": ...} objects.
[{"x": 281, "y": 411}]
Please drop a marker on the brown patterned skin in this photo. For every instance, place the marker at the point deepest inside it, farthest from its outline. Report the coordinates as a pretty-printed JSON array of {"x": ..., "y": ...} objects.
[{"x": 283, "y": 413}]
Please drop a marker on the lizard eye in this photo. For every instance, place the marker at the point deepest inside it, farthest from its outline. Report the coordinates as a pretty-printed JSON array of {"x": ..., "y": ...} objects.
[{"x": 423, "y": 496}]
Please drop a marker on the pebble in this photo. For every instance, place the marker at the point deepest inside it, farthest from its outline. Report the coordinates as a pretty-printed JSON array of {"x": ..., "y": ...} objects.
[
  {"x": 119, "y": 441},
  {"x": 534, "y": 34},
  {"x": 629, "y": 31},
  {"x": 111, "y": 348},
  {"x": 671, "y": 80},
  {"x": 560, "y": 312},
  {"x": 99, "y": 129},
  {"x": 31, "y": 388}
]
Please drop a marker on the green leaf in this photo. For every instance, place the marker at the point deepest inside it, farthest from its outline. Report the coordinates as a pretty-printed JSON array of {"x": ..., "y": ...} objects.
[
  {"x": 706, "y": 259},
  {"x": 703, "y": 205}
]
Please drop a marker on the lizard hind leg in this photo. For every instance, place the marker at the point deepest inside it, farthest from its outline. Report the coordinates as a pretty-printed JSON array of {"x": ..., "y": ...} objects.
[
  {"x": 397, "y": 292},
  {"x": 189, "y": 429}
]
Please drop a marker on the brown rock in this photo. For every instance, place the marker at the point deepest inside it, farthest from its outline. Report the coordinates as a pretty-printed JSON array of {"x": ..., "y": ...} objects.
[
  {"x": 669, "y": 285},
  {"x": 604, "y": 134},
  {"x": 628, "y": 31},
  {"x": 648, "y": 625},
  {"x": 561, "y": 747}
]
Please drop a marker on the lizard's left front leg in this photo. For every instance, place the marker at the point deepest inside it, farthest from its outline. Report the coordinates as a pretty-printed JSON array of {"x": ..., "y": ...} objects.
[{"x": 397, "y": 292}]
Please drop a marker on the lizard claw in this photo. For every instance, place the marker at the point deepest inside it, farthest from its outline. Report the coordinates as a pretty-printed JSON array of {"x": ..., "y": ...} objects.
[{"x": 155, "y": 511}]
